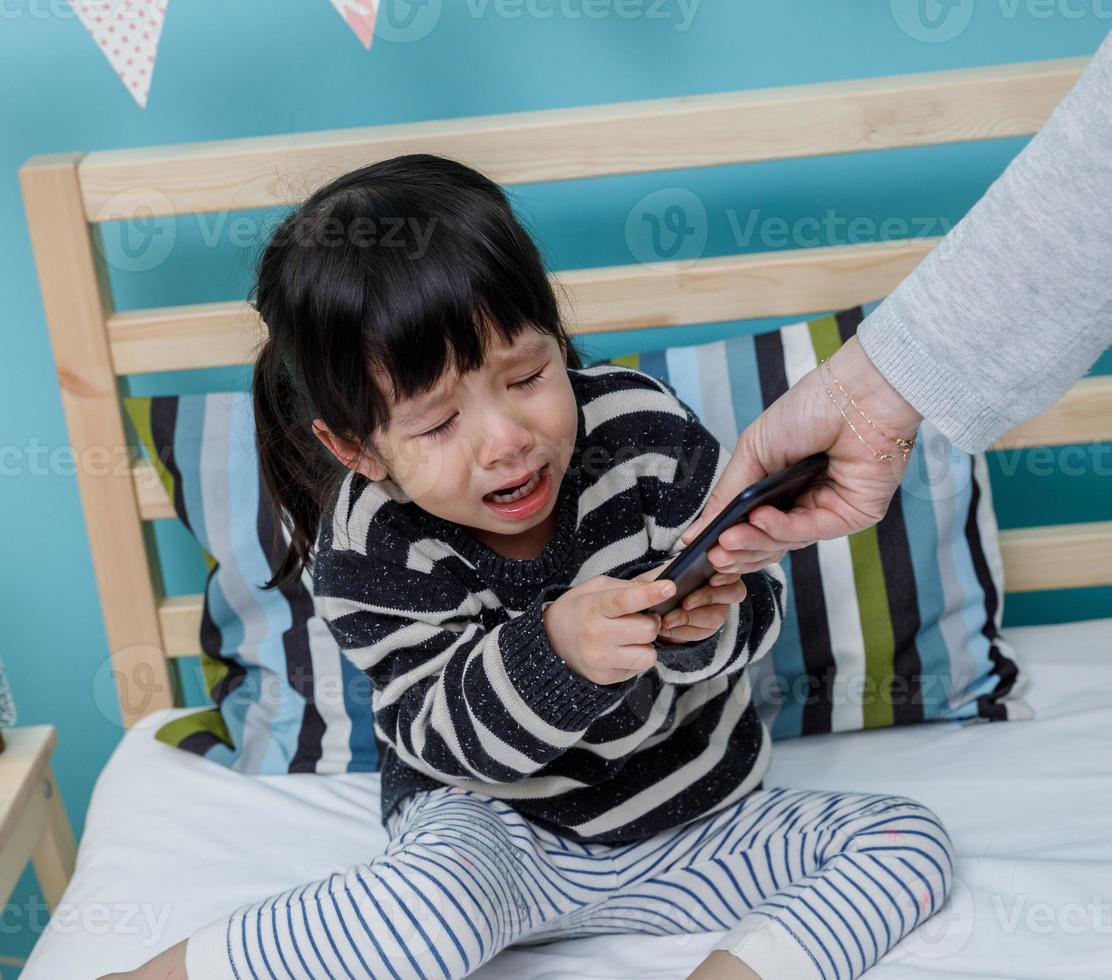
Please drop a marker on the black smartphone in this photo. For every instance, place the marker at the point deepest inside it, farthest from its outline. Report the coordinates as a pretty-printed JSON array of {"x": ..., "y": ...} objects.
[{"x": 691, "y": 569}]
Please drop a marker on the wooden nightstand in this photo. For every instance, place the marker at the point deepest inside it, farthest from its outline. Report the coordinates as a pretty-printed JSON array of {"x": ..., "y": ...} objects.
[{"x": 33, "y": 822}]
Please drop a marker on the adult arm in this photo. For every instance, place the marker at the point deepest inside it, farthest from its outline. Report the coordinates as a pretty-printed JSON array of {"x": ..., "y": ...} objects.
[
  {"x": 1015, "y": 303},
  {"x": 1010, "y": 309}
]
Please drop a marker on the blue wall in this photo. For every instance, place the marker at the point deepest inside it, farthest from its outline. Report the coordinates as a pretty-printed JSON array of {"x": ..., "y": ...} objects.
[{"x": 261, "y": 72}]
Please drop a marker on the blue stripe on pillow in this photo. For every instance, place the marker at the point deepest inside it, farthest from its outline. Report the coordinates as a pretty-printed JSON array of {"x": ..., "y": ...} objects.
[
  {"x": 922, "y": 527},
  {"x": 272, "y": 726},
  {"x": 266, "y": 615}
]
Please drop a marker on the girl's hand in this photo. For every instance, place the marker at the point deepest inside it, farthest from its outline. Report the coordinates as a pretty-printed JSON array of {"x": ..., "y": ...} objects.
[
  {"x": 703, "y": 612},
  {"x": 599, "y": 630}
]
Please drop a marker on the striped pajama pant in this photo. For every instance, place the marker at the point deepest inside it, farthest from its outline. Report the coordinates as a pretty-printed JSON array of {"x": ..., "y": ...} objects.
[{"x": 804, "y": 884}]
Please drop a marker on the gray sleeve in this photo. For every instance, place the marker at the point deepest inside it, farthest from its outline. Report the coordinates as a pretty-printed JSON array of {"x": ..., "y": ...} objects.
[{"x": 1015, "y": 303}]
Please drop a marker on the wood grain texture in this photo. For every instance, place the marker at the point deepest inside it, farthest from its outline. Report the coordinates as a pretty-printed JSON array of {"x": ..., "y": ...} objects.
[
  {"x": 593, "y": 140},
  {"x": 33, "y": 821},
  {"x": 77, "y": 298}
]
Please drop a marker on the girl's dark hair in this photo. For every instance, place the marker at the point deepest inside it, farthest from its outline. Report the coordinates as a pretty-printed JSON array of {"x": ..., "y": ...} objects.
[{"x": 406, "y": 266}]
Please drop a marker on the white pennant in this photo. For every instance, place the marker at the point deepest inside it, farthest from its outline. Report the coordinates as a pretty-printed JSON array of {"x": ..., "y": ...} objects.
[
  {"x": 360, "y": 17},
  {"x": 127, "y": 31}
]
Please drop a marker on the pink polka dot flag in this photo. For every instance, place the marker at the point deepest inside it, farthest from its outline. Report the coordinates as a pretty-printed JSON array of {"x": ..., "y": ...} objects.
[
  {"x": 360, "y": 17},
  {"x": 127, "y": 31}
]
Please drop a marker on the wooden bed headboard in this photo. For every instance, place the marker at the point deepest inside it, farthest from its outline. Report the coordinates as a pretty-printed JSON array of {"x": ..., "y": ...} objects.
[{"x": 96, "y": 348}]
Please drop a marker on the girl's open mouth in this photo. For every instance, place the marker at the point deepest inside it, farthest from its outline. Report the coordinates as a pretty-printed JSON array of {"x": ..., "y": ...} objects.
[{"x": 523, "y": 500}]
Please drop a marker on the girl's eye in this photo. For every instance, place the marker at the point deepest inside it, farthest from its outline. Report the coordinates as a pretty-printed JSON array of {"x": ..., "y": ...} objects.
[
  {"x": 532, "y": 381},
  {"x": 440, "y": 430}
]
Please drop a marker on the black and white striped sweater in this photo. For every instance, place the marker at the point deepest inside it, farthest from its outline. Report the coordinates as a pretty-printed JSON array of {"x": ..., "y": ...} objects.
[{"x": 467, "y": 688}]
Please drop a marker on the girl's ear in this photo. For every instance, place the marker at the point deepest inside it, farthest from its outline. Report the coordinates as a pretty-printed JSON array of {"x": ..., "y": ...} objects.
[{"x": 348, "y": 453}]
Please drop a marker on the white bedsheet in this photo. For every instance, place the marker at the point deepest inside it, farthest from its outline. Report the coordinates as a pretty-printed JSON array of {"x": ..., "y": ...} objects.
[{"x": 172, "y": 841}]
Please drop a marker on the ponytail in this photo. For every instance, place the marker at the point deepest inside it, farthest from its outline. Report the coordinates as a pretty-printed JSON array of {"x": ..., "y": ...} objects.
[{"x": 295, "y": 467}]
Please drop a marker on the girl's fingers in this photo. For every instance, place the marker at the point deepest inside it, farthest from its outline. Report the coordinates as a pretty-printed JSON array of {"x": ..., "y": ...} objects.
[
  {"x": 702, "y": 618},
  {"x": 636, "y": 658},
  {"x": 635, "y": 629},
  {"x": 724, "y": 595},
  {"x": 732, "y": 590},
  {"x": 652, "y": 574},
  {"x": 704, "y": 622},
  {"x": 685, "y": 634},
  {"x": 707, "y": 617},
  {"x": 632, "y": 597}
]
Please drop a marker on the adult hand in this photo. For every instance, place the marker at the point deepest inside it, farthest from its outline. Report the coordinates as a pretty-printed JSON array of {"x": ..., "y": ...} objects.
[{"x": 802, "y": 421}]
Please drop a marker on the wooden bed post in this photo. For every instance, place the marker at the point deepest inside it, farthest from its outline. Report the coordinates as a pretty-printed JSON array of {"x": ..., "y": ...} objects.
[{"x": 77, "y": 299}]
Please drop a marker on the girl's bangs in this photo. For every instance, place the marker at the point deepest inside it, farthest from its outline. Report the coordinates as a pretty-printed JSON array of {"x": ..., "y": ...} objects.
[{"x": 450, "y": 320}]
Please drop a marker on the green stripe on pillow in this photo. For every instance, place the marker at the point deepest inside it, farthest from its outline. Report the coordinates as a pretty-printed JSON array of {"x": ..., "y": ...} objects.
[
  {"x": 206, "y": 720},
  {"x": 868, "y": 575}
]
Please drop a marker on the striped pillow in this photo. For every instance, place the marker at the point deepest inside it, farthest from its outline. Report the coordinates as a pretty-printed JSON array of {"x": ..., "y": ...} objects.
[
  {"x": 893, "y": 625},
  {"x": 285, "y": 698}
]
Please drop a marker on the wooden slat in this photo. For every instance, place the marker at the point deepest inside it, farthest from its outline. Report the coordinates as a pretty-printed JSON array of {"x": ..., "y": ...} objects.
[
  {"x": 738, "y": 287},
  {"x": 1066, "y": 556},
  {"x": 25, "y": 758},
  {"x": 76, "y": 298},
  {"x": 594, "y": 140},
  {"x": 179, "y": 338},
  {"x": 1082, "y": 414},
  {"x": 55, "y": 854},
  {"x": 180, "y": 616},
  {"x": 33, "y": 822},
  {"x": 623, "y": 297},
  {"x": 154, "y": 503}
]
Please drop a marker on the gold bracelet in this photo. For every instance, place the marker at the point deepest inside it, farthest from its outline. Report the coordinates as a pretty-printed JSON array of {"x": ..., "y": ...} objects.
[{"x": 905, "y": 446}]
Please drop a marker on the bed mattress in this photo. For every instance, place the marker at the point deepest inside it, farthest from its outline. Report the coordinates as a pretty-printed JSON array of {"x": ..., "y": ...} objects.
[{"x": 172, "y": 840}]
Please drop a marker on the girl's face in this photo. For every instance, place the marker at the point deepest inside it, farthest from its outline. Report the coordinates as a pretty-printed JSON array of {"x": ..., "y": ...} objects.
[{"x": 487, "y": 449}]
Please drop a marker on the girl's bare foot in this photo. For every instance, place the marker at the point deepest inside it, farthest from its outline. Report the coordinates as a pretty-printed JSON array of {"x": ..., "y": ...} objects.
[{"x": 721, "y": 965}]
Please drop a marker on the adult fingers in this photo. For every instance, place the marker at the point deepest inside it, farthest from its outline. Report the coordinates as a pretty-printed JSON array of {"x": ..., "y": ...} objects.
[
  {"x": 794, "y": 426},
  {"x": 805, "y": 524},
  {"x": 748, "y": 537},
  {"x": 741, "y": 562},
  {"x": 744, "y": 468}
]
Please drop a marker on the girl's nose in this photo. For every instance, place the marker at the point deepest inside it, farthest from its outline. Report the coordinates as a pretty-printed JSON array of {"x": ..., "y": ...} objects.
[{"x": 503, "y": 439}]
